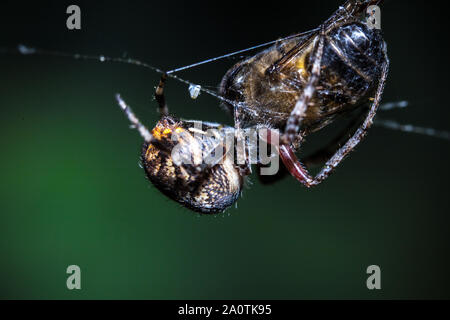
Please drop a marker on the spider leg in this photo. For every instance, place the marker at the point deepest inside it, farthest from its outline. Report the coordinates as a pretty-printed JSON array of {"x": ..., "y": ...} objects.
[
  {"x": 135, "y": 123},
  {"x": 243, "y": 163},
  {"x": 301, "y": 174},
  {"x": 322, "y": 155},
  {"x": 316, "y": 158},
  {"x": 160, "y": 98},
  {"x": 299, "y": 111}
]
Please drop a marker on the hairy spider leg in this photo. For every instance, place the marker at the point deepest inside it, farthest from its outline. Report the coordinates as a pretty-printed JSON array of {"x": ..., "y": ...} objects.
[
  {"x": 297, "y": 170},
  {"x": 298, "y": 113},
  {"x": 160, "y": 98},
  {"x": 148, "y": 137}
]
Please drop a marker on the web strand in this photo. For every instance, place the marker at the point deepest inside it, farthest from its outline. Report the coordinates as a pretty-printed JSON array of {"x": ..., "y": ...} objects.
[
  {"x": 388, "y": 124},
  {"x": 393, "y": 125},
  {"x": 394, "y": 105},
  {"x": 239, "y": 51},
  {"x": 24, "y": 50}
]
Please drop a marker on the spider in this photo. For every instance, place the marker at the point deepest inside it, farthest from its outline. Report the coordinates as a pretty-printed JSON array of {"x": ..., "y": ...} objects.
[{"x": 294, "y": 88}]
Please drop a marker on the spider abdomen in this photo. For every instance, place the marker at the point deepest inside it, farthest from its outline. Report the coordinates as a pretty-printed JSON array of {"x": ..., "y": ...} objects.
[{"x": 175, "y": 163}]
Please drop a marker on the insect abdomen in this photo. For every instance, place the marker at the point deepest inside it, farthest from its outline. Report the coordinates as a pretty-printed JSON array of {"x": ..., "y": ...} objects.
[
  {"x": 352, "y": 60},
  {"x": 268, "y": 85}
]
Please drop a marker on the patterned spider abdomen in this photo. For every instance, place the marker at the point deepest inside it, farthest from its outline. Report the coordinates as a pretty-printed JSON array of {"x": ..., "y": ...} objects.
[{"x": 175, "y": 164}]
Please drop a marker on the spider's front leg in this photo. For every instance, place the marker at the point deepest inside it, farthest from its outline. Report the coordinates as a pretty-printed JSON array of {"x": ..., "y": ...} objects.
[
  {"x": 301, "y": 173},
  {"x": 295, "y": 119},
  {"x": 135, "y": 123},
  {"x": 299, "y": 111},
  {"x": 160, "y": 98}
]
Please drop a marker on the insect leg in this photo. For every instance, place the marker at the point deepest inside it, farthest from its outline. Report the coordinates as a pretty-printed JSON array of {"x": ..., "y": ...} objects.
[
  {"x": 160, "y": 98},
  {"x": 134, "y": 120},
  {"x": 295, "y": 119}
]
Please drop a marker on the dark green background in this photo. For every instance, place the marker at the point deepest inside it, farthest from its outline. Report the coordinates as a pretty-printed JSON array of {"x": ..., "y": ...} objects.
[{"x": 72, "y": 192}]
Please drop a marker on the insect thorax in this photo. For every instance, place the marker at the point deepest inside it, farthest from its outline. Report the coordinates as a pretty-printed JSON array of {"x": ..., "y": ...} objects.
[{"x": 268, "y": 85}]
